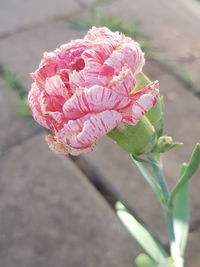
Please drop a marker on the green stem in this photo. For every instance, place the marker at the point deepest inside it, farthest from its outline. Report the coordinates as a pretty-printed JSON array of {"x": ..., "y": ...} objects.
[
  {"x": 168, "y": 213},
  {"x": 157, "y": 169},
  {"x": 149, "y": 179}
]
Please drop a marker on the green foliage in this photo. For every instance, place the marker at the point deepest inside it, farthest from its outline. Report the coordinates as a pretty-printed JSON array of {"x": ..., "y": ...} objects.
[
  {"x": 181, "y": 214},
  {"x": 140, "y": 233},
  {"x": 11, "y": 81},
  {"x": 23, "y": 108}
]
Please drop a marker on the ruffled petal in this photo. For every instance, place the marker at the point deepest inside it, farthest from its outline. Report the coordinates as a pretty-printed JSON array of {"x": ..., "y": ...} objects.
[
  {"x": 128, "y": 54},
  {"x": 94, "y": 100},
  {"x": 35, "y": 107},
  {"x": 97, "y": 126},
  {"x": 54, "y": 86},
  {"x": 83, "y": 133},
  {"x": 124, "y": 83},
  {"x": 142, "y": 101},
  {"x": 62, "y": 149},
  {"x": 43, "y": 109}
]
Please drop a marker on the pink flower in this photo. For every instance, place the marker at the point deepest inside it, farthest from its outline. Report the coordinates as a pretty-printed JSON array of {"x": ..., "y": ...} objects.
[{"x": 83, "y": 90}]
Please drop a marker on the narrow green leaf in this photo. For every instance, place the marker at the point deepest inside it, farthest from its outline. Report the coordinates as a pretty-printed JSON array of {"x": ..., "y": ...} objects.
[
  {"x": 189, "y": 170},
  {"x": 144, "y": 260},
  {"x": 181, "y": 214},
  {"x": 141, "y": 234}
]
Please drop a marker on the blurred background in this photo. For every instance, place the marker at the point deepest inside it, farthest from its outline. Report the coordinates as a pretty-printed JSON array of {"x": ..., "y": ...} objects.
[{"x": 50, "y": 213}]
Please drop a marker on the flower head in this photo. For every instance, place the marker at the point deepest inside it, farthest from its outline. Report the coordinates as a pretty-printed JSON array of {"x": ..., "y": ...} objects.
[{"x": 85, "y": 88}]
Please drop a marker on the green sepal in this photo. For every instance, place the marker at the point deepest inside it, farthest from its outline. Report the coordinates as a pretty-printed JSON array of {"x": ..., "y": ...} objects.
[
  {"x": 136, "y": 140},
  {"x": 141, "y": 81}
]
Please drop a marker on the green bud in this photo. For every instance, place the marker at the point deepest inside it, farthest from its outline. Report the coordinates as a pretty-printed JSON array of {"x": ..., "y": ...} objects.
[
  {"x": 136, "y": 140},
  {"x": 164, "y": 144}
]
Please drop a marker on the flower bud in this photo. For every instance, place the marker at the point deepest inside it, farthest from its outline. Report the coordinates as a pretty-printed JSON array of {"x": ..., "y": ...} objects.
[{"x": 164, "y": 144}]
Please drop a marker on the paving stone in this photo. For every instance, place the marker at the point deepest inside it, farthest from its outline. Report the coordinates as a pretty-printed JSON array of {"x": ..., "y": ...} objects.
[
  {"x": 16, "y": 15},
  {"x": 14, "y": 128},
  {"x": 52, "y": 216},
  {"x": 30, "y": 46}
]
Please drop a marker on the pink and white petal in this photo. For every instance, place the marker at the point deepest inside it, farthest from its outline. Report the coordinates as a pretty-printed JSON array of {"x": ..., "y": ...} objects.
[
  {"x": 124, "y": 83},
  {"x": 94, "y": 100},
  {"x": 143, "y": 101},
  {"x": 54, "y": 86},
  {"x": 49, "y": 119},
  {"x": 62, "y": 149},
  {"x": 114, "y": 63},
  {"x": 141, "y": 106},
  {"x": 133, "y": 57},
  {"x": 91, "y": 55},
  {"x": 152, "y": 88},
  {"x": 88, "y": 77},
  {"x": 48, "y": 103},
  {"x": 47, "y": 68},
  {"x": 35, "y": 107},
  {"x": 102, "y": 33},
  {"x": 84, "y": 132},
  {"x": 54, "y": 145},
  {"x": 97, "y": 126},
  {"x": 58, "y": 117},
  {"x": 128, "y": 54}
]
